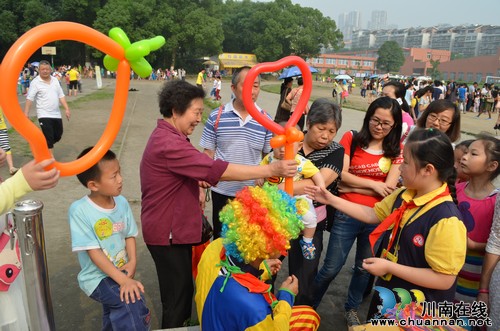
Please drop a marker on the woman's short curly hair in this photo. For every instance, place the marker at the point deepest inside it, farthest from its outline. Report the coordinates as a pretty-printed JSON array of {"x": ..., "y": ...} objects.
[{"x": 176, "y": 96}]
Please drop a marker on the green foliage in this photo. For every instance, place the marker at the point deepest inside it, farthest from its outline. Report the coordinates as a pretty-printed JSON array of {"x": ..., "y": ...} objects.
[
  {"x": 390, "y": 57},
  {"x": 275, "y": 29},
  {"x": 434, "y": 71},
  {"x": 192, "y": 28}
]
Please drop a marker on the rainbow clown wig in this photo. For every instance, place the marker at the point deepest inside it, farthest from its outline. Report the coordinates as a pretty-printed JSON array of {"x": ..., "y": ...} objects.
[{"x": 259, "y": 223}]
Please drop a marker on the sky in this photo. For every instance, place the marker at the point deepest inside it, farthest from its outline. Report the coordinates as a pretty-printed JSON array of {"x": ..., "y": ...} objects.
[{"x": 406, "y": 13}]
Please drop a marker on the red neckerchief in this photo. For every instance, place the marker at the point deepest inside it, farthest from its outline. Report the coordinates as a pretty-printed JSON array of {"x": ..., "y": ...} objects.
[{"x": 395, "y": 218}]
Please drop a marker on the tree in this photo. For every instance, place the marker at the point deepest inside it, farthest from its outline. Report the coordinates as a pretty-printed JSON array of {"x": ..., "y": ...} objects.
[
  {"x": 434, "y": 71},
  {"x": 272, "y": 30},
  {"x": 390, "y": 57}
]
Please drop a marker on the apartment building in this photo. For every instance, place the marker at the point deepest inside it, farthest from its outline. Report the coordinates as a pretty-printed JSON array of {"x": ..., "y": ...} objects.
[{"x": 465, "y": 40}]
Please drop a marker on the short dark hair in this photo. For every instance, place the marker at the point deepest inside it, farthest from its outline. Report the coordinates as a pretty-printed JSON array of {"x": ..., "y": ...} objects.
[
  {"x": 391, "y": 144},
  {"x": 236, "y": 75},
  {"x": 94, "y": 172},
  {"x": 439, "y": 106},
  {"x": 44, "y": 62},
  {"x": 323, "y": 111},
  {"x": 176, "y": 96}
]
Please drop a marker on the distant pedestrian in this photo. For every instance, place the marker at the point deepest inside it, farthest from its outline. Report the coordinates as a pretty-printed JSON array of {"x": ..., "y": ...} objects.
[
  {"x": 73, "y": 75},
  {"x": 200, "y": 80},
  {"x": 218, "y": 87},
  {"x": 46, "y": 92},
  {"x": 462, "y": 98}
]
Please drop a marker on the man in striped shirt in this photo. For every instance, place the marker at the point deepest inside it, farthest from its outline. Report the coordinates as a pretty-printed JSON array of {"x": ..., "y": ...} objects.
[{"x": 232, "y": 135}]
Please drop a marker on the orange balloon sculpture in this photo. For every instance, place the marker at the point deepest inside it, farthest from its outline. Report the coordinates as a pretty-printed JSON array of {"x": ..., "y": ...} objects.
[
  {"x": 289, "y": 134},
  {"x": 19, "y": 54}
]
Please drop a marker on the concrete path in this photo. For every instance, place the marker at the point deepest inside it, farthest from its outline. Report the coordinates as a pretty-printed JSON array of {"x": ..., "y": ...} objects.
[{"x": 75, "y": 311}]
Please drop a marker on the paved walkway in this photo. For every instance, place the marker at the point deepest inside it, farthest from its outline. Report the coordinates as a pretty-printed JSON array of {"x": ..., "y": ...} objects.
[{"x": 73, "y": 310}]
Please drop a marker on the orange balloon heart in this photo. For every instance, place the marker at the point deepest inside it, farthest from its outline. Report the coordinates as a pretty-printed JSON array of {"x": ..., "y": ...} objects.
[
  {"x": 19, "y": 54},
  {"x": 301, "y": 105}
]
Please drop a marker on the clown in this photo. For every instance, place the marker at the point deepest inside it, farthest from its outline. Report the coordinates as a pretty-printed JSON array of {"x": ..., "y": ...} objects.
[{"x": 230, "y": 290}]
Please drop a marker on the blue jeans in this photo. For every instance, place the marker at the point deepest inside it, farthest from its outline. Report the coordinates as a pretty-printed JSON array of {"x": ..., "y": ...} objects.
[
  {"x": 344, "y": 231},
  {"x": 118, "y": 315}
]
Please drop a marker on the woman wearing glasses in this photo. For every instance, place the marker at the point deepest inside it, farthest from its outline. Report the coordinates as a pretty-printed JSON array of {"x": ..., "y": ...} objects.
[
  {"x": 370, "y": 174},
  {"x": 442, "y": 115}
]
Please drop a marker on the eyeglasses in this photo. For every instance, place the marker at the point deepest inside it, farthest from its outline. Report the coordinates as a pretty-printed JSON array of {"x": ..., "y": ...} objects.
[
  {"x": 433, "y": 117},
  {"x": 385, "y": 126}
]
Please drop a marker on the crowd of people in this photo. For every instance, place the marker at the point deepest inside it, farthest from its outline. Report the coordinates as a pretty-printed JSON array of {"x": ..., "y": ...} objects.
[{"x": 390, "y": 185}]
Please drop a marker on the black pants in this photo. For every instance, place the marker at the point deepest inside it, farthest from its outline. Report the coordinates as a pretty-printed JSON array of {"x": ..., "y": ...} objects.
[
  {"x": 173, "y": 266},
  {"x": 52, "y": 129},
  {"x": 305, "y": 270},
  {"x": 218, "y": 201},
  {"x": 302, "y": 122}
]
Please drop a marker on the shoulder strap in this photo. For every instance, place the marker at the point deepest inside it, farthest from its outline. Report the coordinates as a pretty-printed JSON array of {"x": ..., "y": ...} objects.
[
  {"x": 354, "y": 144},
  {"x": 219, "y": 113}
]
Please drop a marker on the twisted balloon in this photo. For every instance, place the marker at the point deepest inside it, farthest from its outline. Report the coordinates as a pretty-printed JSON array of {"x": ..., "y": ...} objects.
[{"x": 134, "y": 53}]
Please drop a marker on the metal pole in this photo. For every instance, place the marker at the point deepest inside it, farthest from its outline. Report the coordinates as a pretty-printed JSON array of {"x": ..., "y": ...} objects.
[{"x": 29, "y": 224}]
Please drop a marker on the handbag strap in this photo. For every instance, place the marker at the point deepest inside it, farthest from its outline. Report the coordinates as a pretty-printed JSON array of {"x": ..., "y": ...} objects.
[{"x": 217, "y": 120}]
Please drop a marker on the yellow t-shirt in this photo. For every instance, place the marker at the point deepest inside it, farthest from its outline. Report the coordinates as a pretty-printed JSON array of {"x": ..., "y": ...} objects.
[
  {"x": 199, "y": 80},
  {"x": 446, "y": 243},
  {"x": 73, "y": 74},
  {"x": 305, "y": 168}
]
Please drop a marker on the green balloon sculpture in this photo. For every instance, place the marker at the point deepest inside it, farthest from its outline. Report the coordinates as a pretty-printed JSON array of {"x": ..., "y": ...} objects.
[{"x": 134, "y": 53}]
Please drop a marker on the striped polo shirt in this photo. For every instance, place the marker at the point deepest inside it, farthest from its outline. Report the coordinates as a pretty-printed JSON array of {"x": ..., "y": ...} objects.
[{"x": 235, "y": 141}]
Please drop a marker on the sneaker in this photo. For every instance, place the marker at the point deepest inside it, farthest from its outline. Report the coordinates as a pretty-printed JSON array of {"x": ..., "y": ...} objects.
[
  {"x": 496, "y": 127},
  {"x": 351, "y": 317},
  {"x": 308, "y": 250},
  {"x": 13, "y": 171}
]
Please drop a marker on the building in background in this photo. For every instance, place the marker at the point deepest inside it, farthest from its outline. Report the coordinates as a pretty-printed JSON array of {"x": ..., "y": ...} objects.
[
  {"x": 230, "y": 61},
  {"x": 378, "y": 21},
  {"x": 471, "y": 69},
  {"x": 462, "y": 41},
  {"x": 349, "y": 22},
  {"x": 350, "y": 63},
  {"x": 418, "y": 60}
]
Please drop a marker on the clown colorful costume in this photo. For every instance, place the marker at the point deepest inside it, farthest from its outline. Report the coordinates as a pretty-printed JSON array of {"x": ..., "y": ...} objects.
[{"x": 244, "y": 302}]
